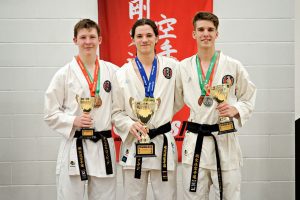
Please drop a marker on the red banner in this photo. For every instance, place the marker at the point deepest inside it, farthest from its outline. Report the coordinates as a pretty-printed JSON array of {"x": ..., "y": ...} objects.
[{"x": 174, "y": 20}]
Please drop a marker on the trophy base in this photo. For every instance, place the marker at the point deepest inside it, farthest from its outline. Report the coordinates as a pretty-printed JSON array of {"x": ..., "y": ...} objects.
[
  {"x": 226, "y": 127},
  {"x": 145, "y": 150},
  {"x": 87, "y": 133}
]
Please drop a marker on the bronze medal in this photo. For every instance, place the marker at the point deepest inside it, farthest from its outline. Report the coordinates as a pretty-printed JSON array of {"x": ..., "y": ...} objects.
[
  {"x": 98, "y": 101},
  {"x": 200, "y": 100}
]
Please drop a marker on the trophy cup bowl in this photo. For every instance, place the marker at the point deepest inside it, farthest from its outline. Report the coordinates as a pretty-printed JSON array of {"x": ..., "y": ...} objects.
[
  {"x": 86, "y": 105},
  {"x": 220, "y": 94},
  {"x": 144, "y": 111}
]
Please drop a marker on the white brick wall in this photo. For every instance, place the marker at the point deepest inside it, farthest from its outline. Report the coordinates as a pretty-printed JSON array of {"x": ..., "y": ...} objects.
[
  {"x": 261, "y": 35},
  {"x": 297, "y": 61},
  {"x": 36, "y": 39}
]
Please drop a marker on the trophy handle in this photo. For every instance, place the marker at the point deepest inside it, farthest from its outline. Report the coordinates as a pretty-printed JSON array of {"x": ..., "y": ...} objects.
[
  {"x": 226, "y": 92},
  {"x": 93, "y": 104},
  {"x": 77, "y": 98},
  {"x": 131, "y": 103},
  {"x": 93, "y": 101},
  {"x": 157, "y": 103}
]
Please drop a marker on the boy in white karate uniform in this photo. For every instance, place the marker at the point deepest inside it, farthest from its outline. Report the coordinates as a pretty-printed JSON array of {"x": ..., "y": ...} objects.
[
  {"x": 147, "y": 77},
  {"x": 83, "y": 158},
  {"x": 208, "y": 157}
]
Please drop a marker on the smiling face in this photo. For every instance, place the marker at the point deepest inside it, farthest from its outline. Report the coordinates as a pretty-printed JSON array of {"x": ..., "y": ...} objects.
[
  {"x": 87, "y": 41},
  {"x": 205, "y": 34},
  {"x": 144, "y": 39}
]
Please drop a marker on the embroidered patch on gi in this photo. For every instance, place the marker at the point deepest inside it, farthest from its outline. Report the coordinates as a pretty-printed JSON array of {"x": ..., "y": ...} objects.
[
  {"x": 185, "y": 152},
  {"x": 124, "y": 159},
  {"x": 107, "y": 86},
  {"x": 228, "y": 79},
  {"x": 167, "y": 72}
]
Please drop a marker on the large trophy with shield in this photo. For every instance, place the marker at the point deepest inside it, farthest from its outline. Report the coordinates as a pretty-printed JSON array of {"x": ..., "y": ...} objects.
[
  {"x": 144, "y": 111},
  {"x": 86, "y": 105},
  {"x": 220, "y": 94}
]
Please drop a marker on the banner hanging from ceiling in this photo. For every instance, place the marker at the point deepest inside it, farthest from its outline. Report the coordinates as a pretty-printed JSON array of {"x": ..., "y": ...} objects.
[{"x": 174, "y": 20}]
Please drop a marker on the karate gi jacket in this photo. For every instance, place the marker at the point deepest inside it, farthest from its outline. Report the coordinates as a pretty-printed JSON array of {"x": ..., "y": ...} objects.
[
  {"x": 242, "y": 96},
  {"x": 127, "y": 84},
  {"x": 61, "y": 108}
]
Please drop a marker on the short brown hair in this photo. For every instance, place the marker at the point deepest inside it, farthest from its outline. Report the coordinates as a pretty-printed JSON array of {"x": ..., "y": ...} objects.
[
  {"x": 86, "y": 23},
  {"x": 206, "y": 16}
]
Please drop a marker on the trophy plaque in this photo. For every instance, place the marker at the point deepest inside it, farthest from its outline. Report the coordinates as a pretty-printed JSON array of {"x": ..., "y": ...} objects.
[
  {"x": 86, "y": 105},
  {"x": 220, "y": 94},
  {"x": 144, "y": 111}
]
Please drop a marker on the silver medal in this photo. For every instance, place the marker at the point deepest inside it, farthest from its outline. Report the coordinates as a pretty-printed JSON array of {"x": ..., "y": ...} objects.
[{"x": 208, "y": 101}]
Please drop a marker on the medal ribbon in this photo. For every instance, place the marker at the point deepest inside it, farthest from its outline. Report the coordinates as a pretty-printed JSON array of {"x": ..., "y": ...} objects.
[
  {"x": 94, "y": 84},
  {"x": 208, "y": 78},
  {"x": 98, "y": 82},
  {"x": 149, "y": 85}
]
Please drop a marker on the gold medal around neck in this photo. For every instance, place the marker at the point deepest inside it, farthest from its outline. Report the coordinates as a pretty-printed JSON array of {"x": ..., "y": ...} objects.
[{"x": 98, "y": 101}]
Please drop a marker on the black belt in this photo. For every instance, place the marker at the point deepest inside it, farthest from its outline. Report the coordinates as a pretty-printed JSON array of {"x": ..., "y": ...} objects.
[
  {"x": 103, "y": 135},
  {"x": 203, "y": 130},
  {"x": 164, "y": 158}
]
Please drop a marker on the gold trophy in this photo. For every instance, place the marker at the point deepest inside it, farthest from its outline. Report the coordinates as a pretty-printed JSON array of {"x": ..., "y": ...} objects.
[
  {"x": 220, "y": 94},
  {"x": 144, "y": 111},
  {"x": 86, "y": 105}
]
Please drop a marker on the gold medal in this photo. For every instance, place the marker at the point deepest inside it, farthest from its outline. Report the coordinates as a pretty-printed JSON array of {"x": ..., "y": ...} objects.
[
  {"x": 200, "y": 100},
  {"x": 98, "y": 101}
]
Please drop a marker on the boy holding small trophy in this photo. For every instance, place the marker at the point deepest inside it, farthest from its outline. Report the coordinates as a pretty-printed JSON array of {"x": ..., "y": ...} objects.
[
  {"x": 217, "y": 89},
  {"x": 143, "y": 100},
  {"x": 78, "y": 105}
]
